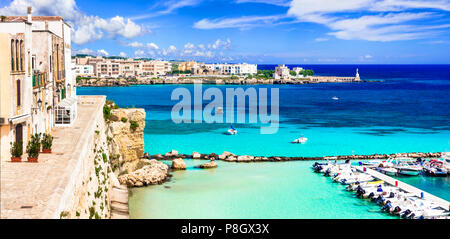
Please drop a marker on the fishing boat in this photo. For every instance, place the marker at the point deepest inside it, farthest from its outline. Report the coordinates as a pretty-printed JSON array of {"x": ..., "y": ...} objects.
[
  {"x": 232, "y": 130},
  {"x": 300, "y": 140}
]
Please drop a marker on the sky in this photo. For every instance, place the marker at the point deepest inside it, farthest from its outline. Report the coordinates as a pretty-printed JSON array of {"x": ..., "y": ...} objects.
[{"x": 256, "y": 31}]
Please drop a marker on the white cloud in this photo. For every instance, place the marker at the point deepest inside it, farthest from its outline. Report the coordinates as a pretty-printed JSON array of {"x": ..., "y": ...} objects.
[
  {"x": 283, "y": 3},
  {"x": 368, "y": 56},
  {"x": 123, "y": 54},
  {"x": 375, "y": 20},
  {"x": 86, "y": 28},
  {"x": 136, "y": 44},
  {"x": 169, "y": 7},
  {"x": 189, "y": 46},
  {"x": 139, "y": 53},
  {"x": 152, "y": 46},
  {"x": 102, "y": 52},
  {"x": 244, "y": 22},
  {"x": 321, "y": 39}
]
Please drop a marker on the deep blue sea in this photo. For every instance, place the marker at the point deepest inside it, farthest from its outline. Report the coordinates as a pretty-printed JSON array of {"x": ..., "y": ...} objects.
[{"x": 405, "y": 110}]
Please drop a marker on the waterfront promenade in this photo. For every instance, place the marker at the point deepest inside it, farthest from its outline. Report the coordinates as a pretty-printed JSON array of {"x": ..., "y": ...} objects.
[
  {"x": 39, "y": 190},
  {"x": 405, "y": 187}
]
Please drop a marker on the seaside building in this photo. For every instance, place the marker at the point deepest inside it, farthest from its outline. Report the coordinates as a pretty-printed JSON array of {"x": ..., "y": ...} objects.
[
  {"x": 187, "y": 65},
  {"x": 229, "y": 69},
  {"x": 15, "y": 82},
  {"x": 155, "y": 68},
  {"x": 281, "y": 72},
  {"x": 83, "y": 70},
  {"x": 35, "y": 76}
]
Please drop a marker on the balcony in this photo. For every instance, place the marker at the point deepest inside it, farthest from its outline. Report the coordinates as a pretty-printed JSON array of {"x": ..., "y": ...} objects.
[{"x": 40, "y": 79}]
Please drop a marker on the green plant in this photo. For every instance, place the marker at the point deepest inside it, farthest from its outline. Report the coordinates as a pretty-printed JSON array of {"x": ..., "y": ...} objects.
[
  {"x": 97, "y": 132},
  {"x": 3, "y": 18},
  {"x": 106, "y": 112},
  {"x": 124, "y": 119},
  {"x": 16, "y": 149},
  {"x": 63, "y": 214},
  {"x": 34, "y": 145},
  {"x": 47, "y": 141},
  {"x": 49, "y": 107},
  {"x": 133, "y": 125}
]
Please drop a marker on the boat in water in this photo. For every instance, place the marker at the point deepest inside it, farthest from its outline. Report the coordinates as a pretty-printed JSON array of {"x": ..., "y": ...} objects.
[
  {"x": 300, "y": 140},
  {"x": 335, "y": 98},
  {"x": 435, "y": 168},
  {"x": 387, "y": 167},
  {"x": 408, "y": 169},
  {"x": 232, "y": 130}
]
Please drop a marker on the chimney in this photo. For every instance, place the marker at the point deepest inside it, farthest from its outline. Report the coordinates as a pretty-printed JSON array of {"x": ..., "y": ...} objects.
[{"x": 29, "y": 13}]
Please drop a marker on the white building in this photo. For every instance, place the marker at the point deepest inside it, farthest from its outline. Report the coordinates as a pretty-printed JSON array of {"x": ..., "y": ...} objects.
[
  {"x": 233, "y": 69},
  {"x": 83, "y": 70},
  {"x": 281, "y": 72}
]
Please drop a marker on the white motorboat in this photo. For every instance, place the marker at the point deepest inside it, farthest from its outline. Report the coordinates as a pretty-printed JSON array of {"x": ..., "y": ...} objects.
[
  {"x": 335, "y": 98},
  {"x": 387, "y": 167},
  {"x": 300, "y": 140},
  {"x": 408, "y": 169},
  {"x": 232, "y": 130}
]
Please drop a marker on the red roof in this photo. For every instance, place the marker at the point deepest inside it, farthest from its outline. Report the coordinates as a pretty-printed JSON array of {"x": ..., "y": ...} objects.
[{"x": 33, "y": 18}]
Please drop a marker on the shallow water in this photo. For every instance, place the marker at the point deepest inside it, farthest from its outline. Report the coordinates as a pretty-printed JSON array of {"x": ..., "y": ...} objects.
[{"x": 407, "y": 112}]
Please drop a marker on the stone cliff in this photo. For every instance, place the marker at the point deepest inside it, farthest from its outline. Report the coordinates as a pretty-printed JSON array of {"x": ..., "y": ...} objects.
[{"x": 125, "y": 135}]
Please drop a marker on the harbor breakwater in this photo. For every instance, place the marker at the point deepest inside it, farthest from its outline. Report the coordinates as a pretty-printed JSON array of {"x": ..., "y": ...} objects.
[{"x": 230, "y": 157}]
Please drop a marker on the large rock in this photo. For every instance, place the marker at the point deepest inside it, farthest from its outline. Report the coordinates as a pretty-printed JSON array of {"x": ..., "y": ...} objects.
[
  {"x": 211, "y": 164},
  {"x": 125, "y": 142},
  {"x": 172, "y": 153},
  {"x": 225, "y": 154},
  {"x": 178, "y": 163},
  {"x": 154, "y": 172}
]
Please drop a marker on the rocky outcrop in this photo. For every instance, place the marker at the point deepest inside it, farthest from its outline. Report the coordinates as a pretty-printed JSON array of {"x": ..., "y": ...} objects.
[
  {"x": 178, "y": 163},
  {"x": 126, "y": 137},
  {"x": 230, "y": 157},
  {"x": 154, "y": 172},
  {"x": 211, "y": 164}
]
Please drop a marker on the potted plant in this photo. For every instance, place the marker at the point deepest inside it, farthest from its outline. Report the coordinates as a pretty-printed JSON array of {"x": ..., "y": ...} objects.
[
  {"x": 47, "y": 141},
  {"x": 16, "y": 152},
  {"x": 33, "y": 147}
]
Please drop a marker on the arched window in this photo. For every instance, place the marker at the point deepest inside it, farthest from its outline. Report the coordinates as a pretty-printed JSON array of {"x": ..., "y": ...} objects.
[
  {"x": 12, "y": 56},
  {"x": 21, "y": 55},
  {"x": 17, "y": 55}
]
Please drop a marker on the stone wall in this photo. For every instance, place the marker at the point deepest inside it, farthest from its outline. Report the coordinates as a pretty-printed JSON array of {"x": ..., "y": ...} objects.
[{"x": 89, "y": 192}]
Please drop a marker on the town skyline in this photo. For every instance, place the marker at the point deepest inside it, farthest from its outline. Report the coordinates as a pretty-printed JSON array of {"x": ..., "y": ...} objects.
[{"x": 256, "y": 31}]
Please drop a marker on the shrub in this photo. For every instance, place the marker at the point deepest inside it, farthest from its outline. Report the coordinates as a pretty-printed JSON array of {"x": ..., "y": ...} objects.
[
  {"x": 105, "y": 159},
  {"x": 106, "y": 112},
  {"x": 124, "y": 119},
  {"x": 49, "y": 107},
  {"x": 47, "y": 141},
  {"x": 133, "y": 125},
  {"x": 97, "y": 132},
  {"x": 16, "y": 149},
  {"x": 34, "y": 145}
]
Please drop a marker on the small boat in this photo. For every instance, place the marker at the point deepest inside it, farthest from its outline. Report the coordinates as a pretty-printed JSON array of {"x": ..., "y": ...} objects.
[
  {"x": 232, "y": 130},
  {"x": 219, "y": 110},
  {"x": 335, "y": 98},
  {"x": 300, "y": 140},
  {"x": 408, "y": 169},
  {"x": 387, "y": 167},
  {"x": 435, "y": 169}
]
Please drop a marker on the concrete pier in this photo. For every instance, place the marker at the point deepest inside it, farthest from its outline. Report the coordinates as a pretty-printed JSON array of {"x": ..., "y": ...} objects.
[{"x": 405, "y": 187}]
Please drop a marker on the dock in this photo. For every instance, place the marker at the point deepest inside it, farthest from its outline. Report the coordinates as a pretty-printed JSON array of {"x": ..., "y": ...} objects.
[{"x": 405, "y": 187}]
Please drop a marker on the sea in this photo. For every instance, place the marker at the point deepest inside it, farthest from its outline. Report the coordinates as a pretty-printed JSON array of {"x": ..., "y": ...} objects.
[{"x": 404, "y": 108}]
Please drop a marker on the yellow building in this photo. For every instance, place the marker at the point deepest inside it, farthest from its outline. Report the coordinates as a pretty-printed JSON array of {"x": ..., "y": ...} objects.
[{"x": 15, "y": 84}]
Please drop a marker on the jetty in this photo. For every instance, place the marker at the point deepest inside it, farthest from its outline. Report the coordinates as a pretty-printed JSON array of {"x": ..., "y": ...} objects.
[{"x": 404, "y": 186}]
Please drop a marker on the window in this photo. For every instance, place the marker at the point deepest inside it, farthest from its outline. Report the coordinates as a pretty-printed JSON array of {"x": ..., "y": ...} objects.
[
  {"x": 17, "y": 55},
  {"x": 21, "y": 55},
  {"x": 12, "y": 56},
  {"x": 18, "y": 93}
]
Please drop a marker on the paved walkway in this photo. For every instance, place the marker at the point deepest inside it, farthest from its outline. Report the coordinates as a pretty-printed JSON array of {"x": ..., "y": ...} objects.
[
  {"x": 406, "y": 187},
  {"x": 33, "y": 190}
]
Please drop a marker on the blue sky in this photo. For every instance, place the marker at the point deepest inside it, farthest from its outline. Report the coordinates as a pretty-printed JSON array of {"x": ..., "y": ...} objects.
[{"x": 256, "y": 31}]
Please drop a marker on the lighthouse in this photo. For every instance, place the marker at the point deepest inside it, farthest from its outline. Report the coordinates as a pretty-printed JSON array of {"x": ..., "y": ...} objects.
[{"x": 357, "y": 75}]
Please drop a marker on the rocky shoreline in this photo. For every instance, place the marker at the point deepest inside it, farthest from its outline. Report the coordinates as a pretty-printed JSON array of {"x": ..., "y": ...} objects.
[{"x": 230, "y": 157}]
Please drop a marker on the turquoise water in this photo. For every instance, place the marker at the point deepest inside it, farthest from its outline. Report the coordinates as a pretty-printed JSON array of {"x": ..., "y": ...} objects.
[
  {"x": 408, "y": 112},
  {"x": 253, "y": 190}
]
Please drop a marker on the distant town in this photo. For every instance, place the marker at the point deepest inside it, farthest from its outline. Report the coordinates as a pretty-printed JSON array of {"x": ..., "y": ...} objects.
[{"x": 110, "y": 71}]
